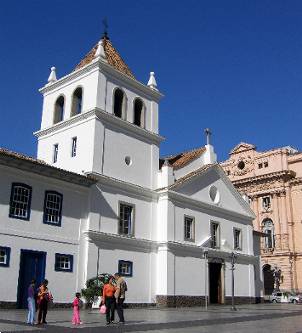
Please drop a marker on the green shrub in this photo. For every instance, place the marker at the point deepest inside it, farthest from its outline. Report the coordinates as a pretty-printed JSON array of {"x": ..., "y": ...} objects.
[{"x": 94, "y": 287}]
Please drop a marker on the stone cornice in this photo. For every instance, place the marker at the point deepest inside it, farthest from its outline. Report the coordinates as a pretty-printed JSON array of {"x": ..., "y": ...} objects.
[
  {"x": 65, "y": 123},
  {"x": 296, "y": 181},
  {"x": 181, "y": 198},
  {"x": 106, "y": 69},
  {"x": 133, "y": 243},
  {"x": 106, "y": 117},
  {"x": 266, "y": 177},
  {"x": 122, "y": 185}
]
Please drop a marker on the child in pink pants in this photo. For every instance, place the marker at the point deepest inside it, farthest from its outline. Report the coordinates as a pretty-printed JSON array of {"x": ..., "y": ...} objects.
[{"x": 76, "y": 310}]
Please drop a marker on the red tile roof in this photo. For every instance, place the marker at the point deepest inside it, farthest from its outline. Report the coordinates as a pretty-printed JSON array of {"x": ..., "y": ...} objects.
[
  {"x": 21, "y": 161},
  {"x": 180, "y": 160},
  {"x": 113, "y": 57}
]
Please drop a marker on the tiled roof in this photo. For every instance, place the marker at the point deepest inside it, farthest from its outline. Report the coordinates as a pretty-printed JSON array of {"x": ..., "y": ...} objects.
[
  {"x": 180, "y": 160},
  {"x": 112, "y": 56},
  {"x": 189, "y": 176},
  {"x": 11, "y": 158}
]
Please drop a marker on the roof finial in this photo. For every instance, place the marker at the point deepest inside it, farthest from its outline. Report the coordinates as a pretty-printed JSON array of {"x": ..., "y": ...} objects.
[
  {"x": 52, "y": 76},
  {"x": 152, "y": 82},
  {"x": 105, "y": 24},
  {"x": 100, "y": 52},
  {"x": 208, "y": 135}
]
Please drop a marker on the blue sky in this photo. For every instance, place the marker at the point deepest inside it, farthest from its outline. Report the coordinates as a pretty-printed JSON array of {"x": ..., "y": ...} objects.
[{"x": 234, "y": 66}]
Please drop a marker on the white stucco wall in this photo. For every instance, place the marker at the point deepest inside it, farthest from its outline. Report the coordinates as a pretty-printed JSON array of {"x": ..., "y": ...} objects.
[{"x": 35, "y": 235}]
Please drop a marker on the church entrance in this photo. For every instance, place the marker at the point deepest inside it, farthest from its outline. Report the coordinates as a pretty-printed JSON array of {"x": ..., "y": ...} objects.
[
  {"x": 215, "y": 283},
  {"x": 268, "y": 279},
  {"x": 32, "y": 266}
]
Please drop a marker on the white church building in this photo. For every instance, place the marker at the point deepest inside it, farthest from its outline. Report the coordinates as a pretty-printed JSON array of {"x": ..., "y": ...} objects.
[{"x": 99, "y": 198}]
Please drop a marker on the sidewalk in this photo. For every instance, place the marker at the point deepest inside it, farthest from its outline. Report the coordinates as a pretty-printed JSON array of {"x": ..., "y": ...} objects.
[{"x": 166, "y": 320}]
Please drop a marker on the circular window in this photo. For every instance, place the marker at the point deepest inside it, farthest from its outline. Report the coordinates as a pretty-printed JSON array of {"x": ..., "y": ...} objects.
[
  {"x": 128, "y": 160},
  {"x": 214, "y": 194},
  {"x": 241, "y": 165}
]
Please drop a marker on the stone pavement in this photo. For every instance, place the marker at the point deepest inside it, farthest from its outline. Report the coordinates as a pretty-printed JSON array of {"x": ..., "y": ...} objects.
[{"x": 262, "y": 318}]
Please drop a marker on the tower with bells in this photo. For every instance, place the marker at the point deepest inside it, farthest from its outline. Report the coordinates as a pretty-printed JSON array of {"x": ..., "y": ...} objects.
[{"x": 100, "y": 120}]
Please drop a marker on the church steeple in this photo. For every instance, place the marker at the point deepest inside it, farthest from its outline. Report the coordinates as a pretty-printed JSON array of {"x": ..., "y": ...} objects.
[{"x": 109, "y": 116}]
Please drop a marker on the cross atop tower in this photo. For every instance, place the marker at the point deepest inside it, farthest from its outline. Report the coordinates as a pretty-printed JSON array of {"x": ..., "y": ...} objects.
[
  {"x": 105, "y": 24},
  {"x": 208, "y": 134}
]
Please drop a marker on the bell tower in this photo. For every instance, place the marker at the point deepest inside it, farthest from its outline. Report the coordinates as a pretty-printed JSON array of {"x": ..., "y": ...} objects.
[{"x": 100, "y": 120}]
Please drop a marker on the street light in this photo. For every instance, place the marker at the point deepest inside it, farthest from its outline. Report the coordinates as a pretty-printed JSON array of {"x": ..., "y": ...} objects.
[
  {"x": 205, "y": 254},
  {"x": 233, "y": 257}
]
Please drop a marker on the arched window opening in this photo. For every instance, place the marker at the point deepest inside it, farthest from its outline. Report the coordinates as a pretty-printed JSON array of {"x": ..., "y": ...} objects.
[
  {"x": 139, "y": 113},
  {"x": 119, "y": 104},
  {"x": 59, "y": 110},
  {"x": 268, "y": 229},
  {"x": 77, "y": 98}
]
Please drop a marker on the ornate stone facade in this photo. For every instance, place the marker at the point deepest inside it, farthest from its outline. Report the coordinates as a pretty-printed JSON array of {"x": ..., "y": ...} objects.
[{"x": 272, "y": 182}]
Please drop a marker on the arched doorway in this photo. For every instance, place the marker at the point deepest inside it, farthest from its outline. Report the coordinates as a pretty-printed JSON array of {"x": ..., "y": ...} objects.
[{"x": 268, "y": 279}]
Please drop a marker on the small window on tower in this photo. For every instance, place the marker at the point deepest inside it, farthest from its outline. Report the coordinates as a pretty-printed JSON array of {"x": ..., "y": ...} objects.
[
  {"x": 55, "y": 153},
  {"x": 260, "y": 165},
  {"x": 59, "y": 110},
  {"x": 119, "y": 104},
  {"x": 77, "y": 102},
  {"x": 74, "y": 147},
  {"x": 266, "y": 164},
  {"x": 139, "y": 112}
]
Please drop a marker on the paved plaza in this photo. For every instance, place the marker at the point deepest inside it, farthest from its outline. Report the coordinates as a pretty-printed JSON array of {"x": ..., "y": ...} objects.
[{"x": 248, "y": 319}]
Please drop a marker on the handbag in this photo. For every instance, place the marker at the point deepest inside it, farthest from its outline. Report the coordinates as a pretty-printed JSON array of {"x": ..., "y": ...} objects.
[{"x": 103, "y": 309}]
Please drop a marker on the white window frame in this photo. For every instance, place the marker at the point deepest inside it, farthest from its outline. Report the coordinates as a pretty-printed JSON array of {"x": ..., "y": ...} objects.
[
  {"x": 215, "y": 238},
  {"x": 74, "y": 143},
  {"x": 266, "y": 206},
  {"x": 239, "y": 247},
  {"x": 192, "y": 229},
  {"x": 55, "y": 153},
  {"x": 131, "y": 228}
]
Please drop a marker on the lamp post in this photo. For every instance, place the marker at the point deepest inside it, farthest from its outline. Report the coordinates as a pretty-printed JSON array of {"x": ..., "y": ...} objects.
[
  {"x": 205, "y": 255},
  {"x": 233, "y": 257}
]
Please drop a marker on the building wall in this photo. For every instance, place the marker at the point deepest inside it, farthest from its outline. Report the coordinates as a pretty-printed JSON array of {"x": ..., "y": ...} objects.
[
  {"x": 37, "y": 236},
  {"x": 281, "y": 181}
]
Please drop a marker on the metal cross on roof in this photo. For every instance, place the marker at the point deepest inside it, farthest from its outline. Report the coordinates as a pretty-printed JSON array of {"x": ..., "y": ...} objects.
[
  {"x": 105, "y": 24},
  {"x": 208, "y": 135}
]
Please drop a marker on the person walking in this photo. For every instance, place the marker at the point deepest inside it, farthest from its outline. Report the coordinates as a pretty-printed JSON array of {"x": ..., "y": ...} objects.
[
  {"x": 76, "y": 310},
  {"x": 109, "y": 300},
  {"x": 31, "y": 303},
  {"x": 43, "y": 298},
  {"x": 120, "y": 295}
]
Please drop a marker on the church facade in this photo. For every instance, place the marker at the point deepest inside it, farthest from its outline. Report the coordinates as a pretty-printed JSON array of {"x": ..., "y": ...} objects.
[
  {"x": 98, "y": 199},
  {"x": 272, "y": 181}
]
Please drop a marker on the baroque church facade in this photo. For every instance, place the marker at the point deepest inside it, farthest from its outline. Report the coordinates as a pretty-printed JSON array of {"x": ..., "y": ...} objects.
[
  {"x": 272, "y": 181},
  {"x": 98, "y": 198}
]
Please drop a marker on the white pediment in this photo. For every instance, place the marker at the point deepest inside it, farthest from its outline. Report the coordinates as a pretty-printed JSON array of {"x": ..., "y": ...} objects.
[{"x": 213, "y": 187}]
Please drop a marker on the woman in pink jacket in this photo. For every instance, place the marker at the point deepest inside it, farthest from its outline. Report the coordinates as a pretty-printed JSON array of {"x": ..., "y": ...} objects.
[{"x": 76, "y": 310}]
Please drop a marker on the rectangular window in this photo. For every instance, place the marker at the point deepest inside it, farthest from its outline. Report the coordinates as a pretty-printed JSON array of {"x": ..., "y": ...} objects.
[
  {"x": 189, "y": 227},
  {"x": 63, "y": 262},
  {"x": 126, "y": 219},
  {"x": 74, "y": 147},
  {"x": 237, "y": 239},
  {"x": 55, "y": 153},
  {"x": 125, "y": 268},
  {"x": 215, "y": 235},
  {"x": 53, "y": 208},
  {"x": 265, "y": 164},
  {"x": 260, "y": 165},
  {"x": 20, "y": 201},
  {"x": 4, "y": 256},
  {"x": 266, "y": 203}
]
